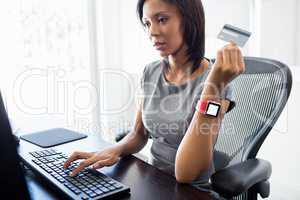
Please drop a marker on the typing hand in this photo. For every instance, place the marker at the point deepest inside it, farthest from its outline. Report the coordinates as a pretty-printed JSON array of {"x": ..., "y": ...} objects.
[{"x": 98, "y": 160}]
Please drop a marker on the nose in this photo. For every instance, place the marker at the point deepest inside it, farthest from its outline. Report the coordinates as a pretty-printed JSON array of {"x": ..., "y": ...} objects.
[{"x": 153, "y": 30}]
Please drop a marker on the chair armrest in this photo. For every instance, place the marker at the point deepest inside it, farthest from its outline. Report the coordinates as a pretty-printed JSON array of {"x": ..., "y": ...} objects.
[{"x": 236, "y": 179}]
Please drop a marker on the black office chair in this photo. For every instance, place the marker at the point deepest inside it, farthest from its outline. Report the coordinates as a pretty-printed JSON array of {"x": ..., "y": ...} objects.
[{"x": 260, "y": 95}]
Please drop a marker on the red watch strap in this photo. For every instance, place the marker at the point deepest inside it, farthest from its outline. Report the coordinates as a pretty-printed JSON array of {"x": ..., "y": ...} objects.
[{"x": 201, "y": 106}]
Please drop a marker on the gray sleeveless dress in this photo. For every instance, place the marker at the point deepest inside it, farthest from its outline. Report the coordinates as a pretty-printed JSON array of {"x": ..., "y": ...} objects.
[{"x": 167, "y": 111}]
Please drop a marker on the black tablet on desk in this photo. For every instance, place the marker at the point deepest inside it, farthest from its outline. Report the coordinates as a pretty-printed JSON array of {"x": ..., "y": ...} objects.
[{"x": 52, "y": 137}]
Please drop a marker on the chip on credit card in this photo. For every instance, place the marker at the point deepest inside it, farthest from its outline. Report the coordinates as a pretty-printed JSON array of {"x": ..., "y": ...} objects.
[{"x": 231, "y": 33}]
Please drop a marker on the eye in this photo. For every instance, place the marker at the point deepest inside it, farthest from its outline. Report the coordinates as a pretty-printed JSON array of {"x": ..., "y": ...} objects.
[
  {"x": 146, "y": 24},
  {"x": 162, "y": 20}
]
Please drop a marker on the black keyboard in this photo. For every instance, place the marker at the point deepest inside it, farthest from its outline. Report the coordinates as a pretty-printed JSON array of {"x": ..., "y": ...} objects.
[{"x": 88, "y": 184}]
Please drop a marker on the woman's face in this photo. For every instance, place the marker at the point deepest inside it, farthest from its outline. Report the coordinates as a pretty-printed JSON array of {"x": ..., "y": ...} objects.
[{"x": 163, "y": 24}]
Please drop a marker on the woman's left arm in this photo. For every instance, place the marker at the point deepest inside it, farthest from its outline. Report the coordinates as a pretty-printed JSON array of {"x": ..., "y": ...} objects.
[{"x": 195, "y": 152}]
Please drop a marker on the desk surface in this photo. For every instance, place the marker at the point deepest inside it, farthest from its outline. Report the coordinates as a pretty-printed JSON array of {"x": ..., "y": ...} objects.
[{"x": 145, "y": 181}]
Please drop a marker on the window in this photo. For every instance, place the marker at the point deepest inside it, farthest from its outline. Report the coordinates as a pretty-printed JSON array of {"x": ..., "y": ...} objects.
[{"x": 47, "y": 59}]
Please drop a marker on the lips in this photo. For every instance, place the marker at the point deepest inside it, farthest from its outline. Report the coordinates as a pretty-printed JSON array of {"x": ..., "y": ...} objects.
[{"x": 159, "y": 45}]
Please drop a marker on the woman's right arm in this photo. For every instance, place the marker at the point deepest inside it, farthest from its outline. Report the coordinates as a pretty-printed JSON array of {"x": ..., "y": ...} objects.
[
  {"x": 135, "y": 140},
  {"x": 131, "y": 143}
]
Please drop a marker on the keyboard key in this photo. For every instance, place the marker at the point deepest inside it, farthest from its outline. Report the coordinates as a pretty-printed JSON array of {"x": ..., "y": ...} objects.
[
  {"x": 104, "y": 189},
  {"x": 118, "y": 186},
  {"x": 98, "y": 192},
  {"x": 76, "y": 191},
  {"x": 92, "y": 195},
  {"x": 61, "y": 180},
  {"x": 88, "y": 192},
  {"x": 111, "y": 188},
  {"x": 94, "y": 188}
]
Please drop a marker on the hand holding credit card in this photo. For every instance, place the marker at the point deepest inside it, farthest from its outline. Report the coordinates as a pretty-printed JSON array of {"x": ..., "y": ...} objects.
[
  {"x": 230, "y": 33},
  {"x": 229, "y": 62}
]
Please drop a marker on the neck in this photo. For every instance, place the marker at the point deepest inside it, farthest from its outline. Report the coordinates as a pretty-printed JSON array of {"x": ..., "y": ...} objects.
[{"x": 178, "y": 62}]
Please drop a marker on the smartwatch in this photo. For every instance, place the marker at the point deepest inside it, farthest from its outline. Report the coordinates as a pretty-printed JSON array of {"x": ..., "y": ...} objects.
[{"x": 208, "y": 107}]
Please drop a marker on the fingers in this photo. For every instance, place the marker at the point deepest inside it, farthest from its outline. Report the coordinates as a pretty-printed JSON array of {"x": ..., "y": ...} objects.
[
  {"x": 232, "y": 55},
  {"x": 102, "y": 163},
  {"x": 83, "y": 165},
  {"x": 232, "y": 43},
  {"x": 219, "y": 59},
  {"x": 241, "y": 61},
  {"x": 75, "y": 156},
  {"x": 226, "y": 56},
  {"x": 229, "y": 64},
  {"x": 235, "y": 54}
]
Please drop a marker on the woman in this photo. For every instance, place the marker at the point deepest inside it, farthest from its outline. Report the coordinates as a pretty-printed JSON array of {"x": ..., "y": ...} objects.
[{"x": 183, "y": 137}]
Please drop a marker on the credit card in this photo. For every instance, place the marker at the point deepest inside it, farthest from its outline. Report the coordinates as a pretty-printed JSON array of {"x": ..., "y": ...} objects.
[{"x": 232, "y": 33}]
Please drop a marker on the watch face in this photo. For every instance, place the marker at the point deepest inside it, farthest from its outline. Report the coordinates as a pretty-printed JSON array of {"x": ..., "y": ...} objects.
[{"x": 212, "y": 109}]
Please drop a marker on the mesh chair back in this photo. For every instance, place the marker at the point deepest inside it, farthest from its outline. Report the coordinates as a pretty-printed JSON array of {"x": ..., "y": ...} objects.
[{"x": 260, "y": 95}]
